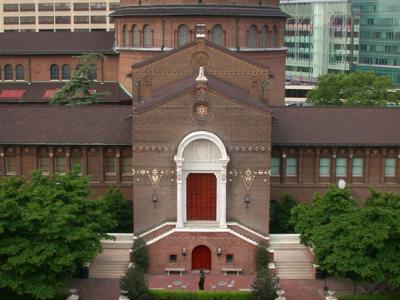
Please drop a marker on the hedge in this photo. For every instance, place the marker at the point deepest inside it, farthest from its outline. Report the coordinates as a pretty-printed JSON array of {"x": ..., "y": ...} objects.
[
  {"x": 371, "y": 297},
  {"x": 203, "y": 295}
]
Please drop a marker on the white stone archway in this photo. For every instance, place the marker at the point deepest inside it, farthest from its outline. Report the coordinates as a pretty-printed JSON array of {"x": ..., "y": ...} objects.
[{"x": 201, "y": 152}]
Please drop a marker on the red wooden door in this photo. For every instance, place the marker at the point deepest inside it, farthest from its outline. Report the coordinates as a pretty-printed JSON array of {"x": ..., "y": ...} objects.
[
  {"x": 201, "y": 258},
  {"x": 201, "y": 197}
]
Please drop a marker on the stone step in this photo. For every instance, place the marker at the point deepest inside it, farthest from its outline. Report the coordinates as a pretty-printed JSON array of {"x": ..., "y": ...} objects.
[
  {"x": 295, "y": 277},
  {"x": 116, "y": 245}
]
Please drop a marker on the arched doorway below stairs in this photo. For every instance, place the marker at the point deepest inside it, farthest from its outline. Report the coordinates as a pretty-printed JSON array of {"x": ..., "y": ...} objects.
[{"x": 201, "y": 258}]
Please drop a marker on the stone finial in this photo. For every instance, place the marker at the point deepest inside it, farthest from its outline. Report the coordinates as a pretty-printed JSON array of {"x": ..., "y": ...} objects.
[{"x": 201, "y": 78}]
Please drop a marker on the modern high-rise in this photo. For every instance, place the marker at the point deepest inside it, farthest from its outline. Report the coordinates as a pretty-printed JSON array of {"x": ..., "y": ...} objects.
[
  {"x": 379, "y": 37},
  {"x": 321, "y": 37},
  {"x": 56, "y": 15}
]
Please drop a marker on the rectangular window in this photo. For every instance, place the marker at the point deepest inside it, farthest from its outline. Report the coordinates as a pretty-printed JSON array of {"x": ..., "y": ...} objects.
[
  {"x": 27, "y": 7},
  {"x": 46, "y": 20},
  {"x": 76, "y": 161},
  {"x": 229, "y": 258},
  {"x": 275, "y": 166},
  {"x": 113, "y": 5},
  {"x": 358, "y": 167},
  {"x": 11, "y": 165},
  {"x": 81, "y": 6},
  {"x": 98, "y": 6},
  {"x": 62, "y": 6},
  {"x": 45, "y": 6},
  {"x": 173, "y": 258},
  {"x": 44, "y": 164},
  {"x": 324, "y": 167},
  {"x": 27, "y": 20},
  {"x": 63, "y": 20},
  {"x": 10, "y": 7},
  {"x": 126, "y": 166},
  {"x": 98, "y": 19},
  {"x": 390, "y": 167},
  {"x": 341, "y": 167},
  {"x": 291, "y": 166},
  {"x": 110, "y": 166},
  {"x": 60, "y": 164},
  {"x": 81, "y": 20},
  {"x": 11, "y": 20}
]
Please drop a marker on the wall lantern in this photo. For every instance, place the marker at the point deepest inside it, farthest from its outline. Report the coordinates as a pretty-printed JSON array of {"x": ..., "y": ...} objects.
[
  {"x": 184, "y": 251},
  {"x": 219, "y": 251},
  {"x": 342, "y": 184},
  {"x": 155, "y": 199},
  {"x": 247, "y": 200}
]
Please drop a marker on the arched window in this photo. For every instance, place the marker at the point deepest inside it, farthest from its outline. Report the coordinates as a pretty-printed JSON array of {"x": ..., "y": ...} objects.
[
  {"x": 125, "y": 32},
  {"x": 8, "y": 72},
  {"x": 264, "y": 37},
  {"x": 274, "y": 37},
  {"x": 135, "y": 36},
  {"x": 66, "y": 72},
  {"x": 217, "y": 35},
  {"x": 93, "y": 72},
  {"x": 19, "y": 72},
  {"x": 54, "y": 72},
  {"x": 252, "y": 37},
  {"x": 183, "y": 35},
  {"x": 147, "y": 37}
]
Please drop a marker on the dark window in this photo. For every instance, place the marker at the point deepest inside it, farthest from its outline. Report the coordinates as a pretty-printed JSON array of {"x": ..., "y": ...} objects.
[
  {"x": 45, "y": 6},
  {"x": 54, "y": 72},
  {"x": 98, "y": 19},
  {"x": 93, "y": 72},
  {"x": 274, "y": 37},
  {"x": 252, "y": 37},
  {"x": 11, "y": 20},
  {"x": 114, "y": 5},
  {"x": 217, "y": 35},
  {"x": 10, "y": 7},
  {"x": 19, "y": 72},
  {"x": 264, "y": 37},
  {"x": 173, "y": 258},
  {"x": 98, "y": 6},
  {"x": 66, "y": 72},
  {"x": 125, "y": 32},
  {"x": 63, "y": 20},
  {"x": 183, "y": 35},
  {"x": 135, "y": 36},
  {"x": 229, "y": 258},
  {"x": 27, "y": 20},
  {"x": 62, "y": 6},
  {"x": 81, "y": 6},
  {"x": 46, "y": 20},
  {"x": 8, "y": 72},
  {"x": 147, "y": 37},
  {"x": 27, "y": 7},
  {"x": 81, "y": 20}
]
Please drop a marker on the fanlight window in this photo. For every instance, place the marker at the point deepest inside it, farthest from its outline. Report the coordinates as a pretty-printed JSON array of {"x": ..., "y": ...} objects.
[{"x": 183, "y": 35}]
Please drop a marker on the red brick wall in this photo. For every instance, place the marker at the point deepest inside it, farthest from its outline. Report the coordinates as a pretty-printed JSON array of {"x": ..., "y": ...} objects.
[{"x": 158, "y": 2}]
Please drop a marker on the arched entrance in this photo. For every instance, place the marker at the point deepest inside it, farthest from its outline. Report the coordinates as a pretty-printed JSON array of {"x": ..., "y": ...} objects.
[
  {"x": 201, "y": 258},
  {"x": 201, "y": 197}
]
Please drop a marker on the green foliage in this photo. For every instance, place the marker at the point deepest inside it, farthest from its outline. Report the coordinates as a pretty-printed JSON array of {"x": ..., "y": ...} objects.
[
  {"x": 120, "y": 209},
  {"x": 134, "y": 282},
  {"x": 77, "y": 90},
  {"x": 6, "y": 294},
  {"x": 47, "y": 229},
  {"x": 361, "y": 243},
  {"x": 371, "y": 297},
  {"x": 140, "y": 255},
  {"x": 263, "y": 286},
  {"x": 201, "y": 295},
  {"x": 353, "y": 89},
  {"x": 261, "y": 256},
  {"x": 280, "y": 215}
]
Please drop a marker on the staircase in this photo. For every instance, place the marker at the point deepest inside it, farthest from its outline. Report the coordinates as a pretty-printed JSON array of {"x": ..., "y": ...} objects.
[
  {"x": 292, "y": 259},
  {"x": 113, "y": 261}
]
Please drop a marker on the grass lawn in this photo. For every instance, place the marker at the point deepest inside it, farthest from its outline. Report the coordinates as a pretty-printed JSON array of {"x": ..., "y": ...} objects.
[
  {"x": 6, "y": 294},
  {"x": 372, "y": 297}
]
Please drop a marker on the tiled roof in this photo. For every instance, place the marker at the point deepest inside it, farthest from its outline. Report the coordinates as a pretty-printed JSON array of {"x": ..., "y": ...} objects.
[
  {"x": 24, "y": 43},
  {"x": 336, "y": 126},
  {"x": 200, "y": 10},
  {"x": 64, "y": 125},
  {"x": 188, "y": 84},
  {"x": 40, "y": 92}
]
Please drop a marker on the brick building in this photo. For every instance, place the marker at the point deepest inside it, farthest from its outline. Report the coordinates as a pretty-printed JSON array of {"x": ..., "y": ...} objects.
[{"x": 193, "y": 129}]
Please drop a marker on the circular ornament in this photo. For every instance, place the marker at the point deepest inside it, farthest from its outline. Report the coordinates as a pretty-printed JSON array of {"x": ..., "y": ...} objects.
[
  {"x": 200, "y": 59},
  {"x": 201, "y": 111}
]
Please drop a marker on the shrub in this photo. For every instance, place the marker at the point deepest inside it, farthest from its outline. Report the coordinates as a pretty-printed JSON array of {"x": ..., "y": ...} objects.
[
  {"x": 263, "y": 286},
  {"x": 261, "y": 256},
  {"x": 202, "y": 295},
  {"x": 140, "y": 255},
  {"x": 280, "y": 214},
  {"x": 371, "y": 297},
  {"x": 119, "y": 208},
  {"x": 134, "y": 282}
]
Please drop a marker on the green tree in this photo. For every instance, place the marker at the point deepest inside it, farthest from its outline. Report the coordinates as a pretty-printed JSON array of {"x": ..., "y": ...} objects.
[
  {"x": 140, "y": 255},
  {"x": 114, "y": 203},
  {"x": 261, "y": 256},
  {"x": 281, "y": 214},
  {"x": 353, "y": 89},
  {"x": 77, "y": 90},
  {"x": 263, "y": 286},
  {"x": 134, "y": 282},
  {"x": 47, "y": 228}
]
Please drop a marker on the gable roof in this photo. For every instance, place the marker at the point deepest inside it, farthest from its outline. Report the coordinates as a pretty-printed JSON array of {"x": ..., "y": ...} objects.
[
  {"x": 41, "y": 92},
  {"x": 336, "y": 126},
  {"x": 65, "y": 125},
  {"x": 57, "y": 43},
  {"x": 200, "y": 10},
  {"x": 189, "y": 84}
]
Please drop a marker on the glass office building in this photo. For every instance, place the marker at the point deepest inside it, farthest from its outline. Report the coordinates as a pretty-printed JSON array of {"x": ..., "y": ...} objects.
[{"x": 379, "y": 49}]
